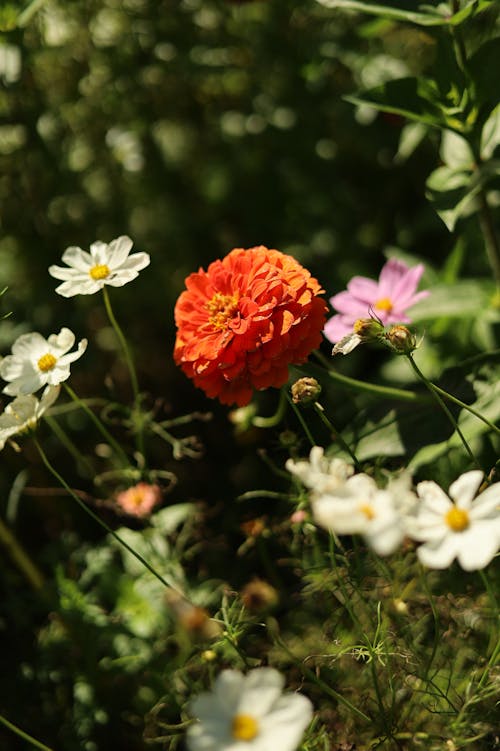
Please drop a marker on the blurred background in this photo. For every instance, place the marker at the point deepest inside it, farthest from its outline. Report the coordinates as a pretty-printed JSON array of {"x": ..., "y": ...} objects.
[{"x": 193, "y": 126}]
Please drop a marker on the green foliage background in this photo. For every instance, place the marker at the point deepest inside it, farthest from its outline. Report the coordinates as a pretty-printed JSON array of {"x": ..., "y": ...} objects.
[{"x": 194, "y": 126}]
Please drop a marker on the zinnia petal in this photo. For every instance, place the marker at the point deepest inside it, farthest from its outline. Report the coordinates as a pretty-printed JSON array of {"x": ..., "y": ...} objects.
[{"x": 241, "y": 323}]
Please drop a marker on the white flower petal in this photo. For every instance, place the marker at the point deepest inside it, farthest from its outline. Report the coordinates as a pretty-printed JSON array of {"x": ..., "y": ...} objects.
[
  {"x": 478, "y": 546},
  {"x": 487, "y": 503},
  {"x": 118, "y": 251},
  {"x": 285, "y": 724},
  {"x": 29, "y": 345},
  {"x": 433, "y": 496},
  {"x": 439, "y": 554},
  {"x": 136, "y": 262},
  {"x": 465, "y": 488},
  {"x": 62, "y": 342},
  {"x": 228, "y": 688},
  {"x": 67, "y": 273},
  {"x": 72, "y": 356},
  {"x": 120, "y": 278},
  {"x": 262, "y": 687},
  {"x": 77, "y": 258},
  {"x": 100, "y": 254},
  {"x": 72, "y": 288}
]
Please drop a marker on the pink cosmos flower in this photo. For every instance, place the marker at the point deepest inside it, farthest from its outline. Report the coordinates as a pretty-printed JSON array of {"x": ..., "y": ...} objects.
[
  {"x": 388, "y": 299},
  {"x": 139, "y": 500}
]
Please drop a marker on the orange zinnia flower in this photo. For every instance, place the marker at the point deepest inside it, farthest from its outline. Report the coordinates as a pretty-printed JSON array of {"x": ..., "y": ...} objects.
[{"x": 242, "y": 322}]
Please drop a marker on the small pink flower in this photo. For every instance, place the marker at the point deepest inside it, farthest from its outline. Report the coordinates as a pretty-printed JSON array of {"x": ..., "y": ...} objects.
[
  {"x": 388, "y": 299},
  {"x": 139, "y": 500}
]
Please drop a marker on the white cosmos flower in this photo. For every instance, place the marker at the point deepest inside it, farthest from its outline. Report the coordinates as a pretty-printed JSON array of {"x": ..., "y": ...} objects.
[
  {"x": 359, "y": 506},
  {"x": 87, "y": 273},
  {"x": 24, "y": 412},
  {"x": 457, "y": 526},
  {"x": 320, "y": 473},
  {"x": 248, "y": 713},
  {"x": 36, "y": 361}
]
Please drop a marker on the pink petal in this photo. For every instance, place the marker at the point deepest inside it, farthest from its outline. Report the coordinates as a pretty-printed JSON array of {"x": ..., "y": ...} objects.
[
  {"x": 363, "y": 288},
  {"x": 390, "y": 276},
  {"x": 337, "y": 327},
  {"x": 346, "y": 303}
]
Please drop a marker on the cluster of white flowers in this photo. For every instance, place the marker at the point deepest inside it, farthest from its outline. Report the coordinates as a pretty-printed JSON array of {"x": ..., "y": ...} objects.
[
  {"x": 248, "y": 713},
  {"x": 35, "y": 361},
  {"x": 461, "y": 525}
]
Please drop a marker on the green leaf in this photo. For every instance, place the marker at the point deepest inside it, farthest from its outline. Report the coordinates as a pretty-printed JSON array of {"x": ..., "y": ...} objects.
[
  {"x": 467, "y": 298},
  {"x": 487, "y": 388},
  {"x": 432, "y": 18},
  {"x": 484, "y": 66},
  {"x": 452, "y": 193},
  {"x": 414, "y": 98}
]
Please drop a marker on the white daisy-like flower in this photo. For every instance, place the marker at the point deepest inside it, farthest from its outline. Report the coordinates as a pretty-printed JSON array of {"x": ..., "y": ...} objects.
[
  {"x": 87, "y": 273},
  {"x": 24, "y": 412},
  {"x": 458, "y": 526},
  {"x": 320, "y": 473},
  {"x": 361, "y": 507},
  {"x": 248, "y": 713},
  {"x": 36, "y": 361}
]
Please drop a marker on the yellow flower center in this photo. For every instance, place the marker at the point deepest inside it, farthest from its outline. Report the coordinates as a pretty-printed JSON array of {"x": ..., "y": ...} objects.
[
  {"x": 244, "y": 727},
  {"x": 222, "y": 309},
  {"x": 368, "y": 511},
  {"x": 385, "y": 304},
  {"x": 101, "y": 271},
  {"x": 46, "y": 362},
  {"x": 457, "y": 519}
]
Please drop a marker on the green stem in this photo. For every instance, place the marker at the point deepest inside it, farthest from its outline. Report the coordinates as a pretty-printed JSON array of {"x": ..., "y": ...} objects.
[
  {"x": 443, "y": 406},
  {"x": 17, "y": 731},
  {"x": 100, "y": 427},
  {"x": 25, "y": 17},
  {"x": 301, "y": 420},
  {"x": 272, "y": 420},
  {"x": 69, "y": 445},
  {"x": 137, "y": 413},
  {"x": 20, "y": 557},
  {"x": 97, "y": 519},
  {"x": 388, "y": 392},
  {"x": 322, "y": 685},
  {"x": 470, "y": 409},
  {"x": 337, "y": 437}
]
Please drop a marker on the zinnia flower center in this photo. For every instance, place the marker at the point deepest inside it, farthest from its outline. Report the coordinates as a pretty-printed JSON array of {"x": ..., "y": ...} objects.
[
  {"x": 222, "y": 309},
  {"x": 100, "y": 271},
  {"x": 385, "y": 304},
  {"x": 368, "y": 511},
  {"x": 457, "y": 519},
  {"x": 244, "y": 727},
  {"x": 46, "y": 362}
]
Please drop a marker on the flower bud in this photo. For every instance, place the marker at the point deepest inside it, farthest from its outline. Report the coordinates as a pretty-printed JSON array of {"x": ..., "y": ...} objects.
[
  {"x": 368, "y": 328},
  {"x": 401, "y": 340},
  {"x": 305, "y": 390}
]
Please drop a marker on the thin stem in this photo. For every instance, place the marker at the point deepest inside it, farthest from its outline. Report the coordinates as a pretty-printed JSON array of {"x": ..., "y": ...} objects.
[
  {"x": 272, "y": 420},
  {"x": 388, "y": 392},
  {"x": 322, "y": 685},
  {"x": 17, "y": 731},
  {"x": 443, "y": 406},
  {"x": 131, "y": 368},
  {"x": 69, "y": 445},
  {"x": 337, "y": 437},
  {"x": 301, "y": 420},
  {"x": 100, "y": 427},
  {"x": 470, "y": 409},
  {"x": 97, "y": 519},
  {"x": 20, "y": 557}
]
